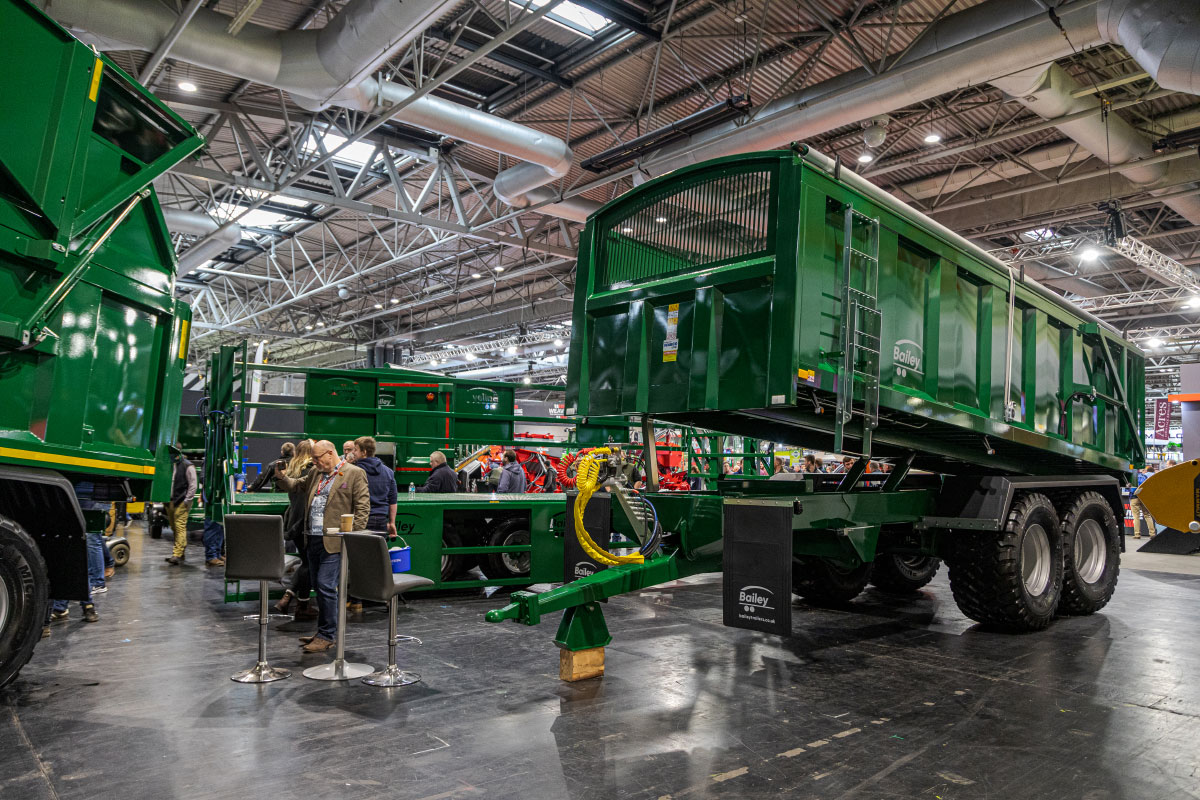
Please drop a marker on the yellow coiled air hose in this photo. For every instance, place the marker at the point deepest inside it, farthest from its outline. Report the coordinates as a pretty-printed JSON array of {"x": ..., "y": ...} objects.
[{"x": 586, "y": 474}]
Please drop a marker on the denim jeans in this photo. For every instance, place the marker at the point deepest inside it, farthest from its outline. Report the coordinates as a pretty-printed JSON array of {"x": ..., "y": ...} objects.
[
  {"x": 214, "y": 540},
  {"x": 95, "y": 561},
  {"x": 324, "y": 570}
]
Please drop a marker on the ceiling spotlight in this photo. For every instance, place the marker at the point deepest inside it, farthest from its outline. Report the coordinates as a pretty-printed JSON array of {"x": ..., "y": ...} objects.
[
  {"x": 527, "y": 380},
  {"x": 933, "y": 137},
  {"x": 1154, "y": 343},
  {"x": 1089, "y": 254},
  {"x": 866, "y": 157},
  {"x": 626, "y": 229},
  {"x": 308, "y": 327},
  {"x": 511, "y": 349},
  {"x": 1188, "y": 304},
  {"x": 476, "y": 275},
  {"x": 320, "y": 324},
  {"x": 499, "y": 269},
  {"x": 378, "y": 306},
  {"x": 187, "y": 86},
  {"x": 433, "y": 362},
  {"x": 660, "y": 220},
  {"x": 470, "y": 356},
  {"x": 558, "y": 342},
  {"x": 395, "y": 301},
  {"x": 344, "y": 293}
]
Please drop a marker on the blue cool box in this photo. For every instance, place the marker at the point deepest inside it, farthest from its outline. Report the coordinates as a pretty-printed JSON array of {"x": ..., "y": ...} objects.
[{"x": 401, "y": 558}]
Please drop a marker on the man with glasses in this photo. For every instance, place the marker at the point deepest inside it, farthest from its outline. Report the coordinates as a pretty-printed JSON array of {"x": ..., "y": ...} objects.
[{"x": 334, "y": 488}]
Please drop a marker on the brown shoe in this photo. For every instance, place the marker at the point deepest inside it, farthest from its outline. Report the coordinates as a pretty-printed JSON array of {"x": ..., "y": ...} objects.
[
  {"x": 215, "y": 562},
  {"x": 354, "y": 608},
  {"x": 109, "y": 572},
  {"x": 174, "y": 561},
  {"x": 284, "y": 602},
  {"x": 306, "y": 639},
  {"x": 318, "y": 645}
]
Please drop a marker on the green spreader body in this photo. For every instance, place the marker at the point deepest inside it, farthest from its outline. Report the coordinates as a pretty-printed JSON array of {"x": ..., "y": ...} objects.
[
  {"x": 723, "y": 296},
  {"x": 93, "y": 343}
]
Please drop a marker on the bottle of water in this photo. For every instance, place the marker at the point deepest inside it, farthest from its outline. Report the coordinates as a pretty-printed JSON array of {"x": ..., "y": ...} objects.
[{"x": 412, "y": 491}]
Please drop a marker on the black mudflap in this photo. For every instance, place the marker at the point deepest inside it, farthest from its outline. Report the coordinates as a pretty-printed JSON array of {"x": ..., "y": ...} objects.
[
  {"x": 758, "y": 567},
  {"x": 597, "y": 518}
]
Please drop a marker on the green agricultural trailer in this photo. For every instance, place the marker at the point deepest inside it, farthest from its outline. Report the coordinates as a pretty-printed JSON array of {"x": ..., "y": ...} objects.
[
  {"x": 516, "y": 540},
  {"x": 92, "y": 342},
  {"x": 779, "y": 296}
]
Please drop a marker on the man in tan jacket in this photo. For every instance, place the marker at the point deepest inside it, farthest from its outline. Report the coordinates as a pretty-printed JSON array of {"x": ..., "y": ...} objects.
[{"x": 334, "y": 488}]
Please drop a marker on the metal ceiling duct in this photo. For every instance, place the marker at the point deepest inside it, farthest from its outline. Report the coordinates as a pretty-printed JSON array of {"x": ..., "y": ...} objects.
[
  {"x": 965, "y": 49},
  {"x": 1163, "y": 38},
  {"x": 194, "y": 223},
  {"x": 1052, "y": 93},
  {"x": 329, "y": 66}
]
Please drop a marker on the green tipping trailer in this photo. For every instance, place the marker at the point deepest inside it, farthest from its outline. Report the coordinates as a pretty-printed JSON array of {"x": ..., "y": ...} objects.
[
  {"x": 779, "y": 296},
  {"x": 93, "y": 343}
]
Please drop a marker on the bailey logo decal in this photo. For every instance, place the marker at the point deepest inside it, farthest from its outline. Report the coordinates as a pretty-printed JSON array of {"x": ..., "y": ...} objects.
[
  {"x": 907, "y": 356},
  {"x": 583, "y": 569},
  {"x": 755, "y": 599}
]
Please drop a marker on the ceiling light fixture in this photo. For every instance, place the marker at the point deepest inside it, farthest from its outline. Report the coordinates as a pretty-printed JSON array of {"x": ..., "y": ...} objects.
[
  {"x": 558, "y": 342},
  {"x": 320, "y": 324},
  {"x": 527, "y": 380},
  {"x": 866, "y": 157},
  {"x": 470, "y": 356},
  {"x": 933, "y": 137},
  {"x": 395, "y": 301},
  {"x": 499, "y": 269},
  {"x": 1089, "y": 254},
  {"x": 627, "y": 229},
  {"x": 511, "y": 349},
  {"x": 476, "y": 275},
  {"x": 187, "y": 86},
  {"x": 308, "y": 327},
  {"x": 378, "y": 306},
  {"x": 1154, "y": 343},
  {"x": 660, "y": 220}
]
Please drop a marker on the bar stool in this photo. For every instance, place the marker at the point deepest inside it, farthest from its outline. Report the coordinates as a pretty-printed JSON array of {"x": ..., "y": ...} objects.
[
  {"x": 254, "y": 551},
  {"x": 371, "y": 578}
]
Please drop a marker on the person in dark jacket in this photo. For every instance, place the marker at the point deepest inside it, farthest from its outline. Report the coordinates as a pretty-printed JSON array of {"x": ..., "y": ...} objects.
[
  {"x": 294, "y": 521},
  {"x": 512, "y": 476},
  {"x": 266, "y": 479},
  {"x": 183, "y": 491},
  {"x": 442, "y": 477},
  {"x": 381, "y": 481}
]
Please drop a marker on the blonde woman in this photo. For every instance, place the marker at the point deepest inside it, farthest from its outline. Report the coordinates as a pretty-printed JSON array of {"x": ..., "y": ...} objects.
[{"x": 293, "y": 528}]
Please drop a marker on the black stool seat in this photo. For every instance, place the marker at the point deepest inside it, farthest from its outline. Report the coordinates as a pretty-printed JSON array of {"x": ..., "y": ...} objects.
[
  {"x": 254, "y": 551},
  {"x": 371, "y": 578}
]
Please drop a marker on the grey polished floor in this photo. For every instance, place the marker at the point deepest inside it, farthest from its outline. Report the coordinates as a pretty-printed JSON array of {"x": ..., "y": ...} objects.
[{"x": 895, "y": 700}]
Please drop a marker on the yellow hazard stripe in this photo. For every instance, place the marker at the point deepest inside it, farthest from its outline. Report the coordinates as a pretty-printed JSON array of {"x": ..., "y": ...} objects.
[
  {"x": 95, "y": 90},
  {"x": 74, "y": 461}
]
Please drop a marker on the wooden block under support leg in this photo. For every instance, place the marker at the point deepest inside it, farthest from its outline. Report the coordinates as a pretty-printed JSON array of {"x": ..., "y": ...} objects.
[{"x": 579, "y": 665}]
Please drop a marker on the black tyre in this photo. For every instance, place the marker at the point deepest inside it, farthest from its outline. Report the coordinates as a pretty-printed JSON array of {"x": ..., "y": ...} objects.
[
  {"x": 508, "y": 565},
  {"x": 822, "y": 582},
  {"x": 1012, "y": 580},
  {"x": 120, "y": 553},
  {"x": 452, "y": 565},
  {"x": 1091, "y": 555},
  {"x": 900, "y": 573},
  {"x": 23, "y": 598}
]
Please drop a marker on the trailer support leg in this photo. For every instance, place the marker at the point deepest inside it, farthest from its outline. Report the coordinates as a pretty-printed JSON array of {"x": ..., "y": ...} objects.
[{"x": 581, "y": 637}]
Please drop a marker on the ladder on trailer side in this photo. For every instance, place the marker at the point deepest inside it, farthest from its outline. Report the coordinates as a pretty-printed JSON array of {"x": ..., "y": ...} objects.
[{"x": 861, "y": 325}]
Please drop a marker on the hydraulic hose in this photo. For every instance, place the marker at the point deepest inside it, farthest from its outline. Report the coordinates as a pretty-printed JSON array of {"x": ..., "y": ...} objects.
[{"x": 586, "y": 478}]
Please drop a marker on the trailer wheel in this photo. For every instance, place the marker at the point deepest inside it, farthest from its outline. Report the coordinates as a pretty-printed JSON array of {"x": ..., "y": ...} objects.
[
  {"x": 822, "y": 582},
  {"x": 1091, "y": 555},
  {"x": 1012, "y": 579},
  {"x": 120, "y": 553},
  {"x": 508, "y": 565},
  {"x": 452, "y": 565},
  {"x": 900, "y": 573},
  {"x": 23, "y": 598}
]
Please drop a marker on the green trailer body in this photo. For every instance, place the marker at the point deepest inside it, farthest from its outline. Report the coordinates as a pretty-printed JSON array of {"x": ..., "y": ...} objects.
[
  {"x": 93, "y": 344},
  {"x": 717, "y": 296},
  {"x": 775, "y": 295}
]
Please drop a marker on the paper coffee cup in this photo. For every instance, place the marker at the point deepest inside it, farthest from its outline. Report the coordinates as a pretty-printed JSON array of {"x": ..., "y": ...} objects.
[{"x": 347, "y": 523}]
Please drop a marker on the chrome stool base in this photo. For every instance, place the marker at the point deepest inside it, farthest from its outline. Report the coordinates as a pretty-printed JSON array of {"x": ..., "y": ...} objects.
[
  {"x": 391, "y": 676},
  {"x": 338, "y": 670},
  {"x": 262, "y": 672}
]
